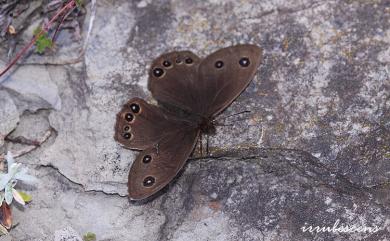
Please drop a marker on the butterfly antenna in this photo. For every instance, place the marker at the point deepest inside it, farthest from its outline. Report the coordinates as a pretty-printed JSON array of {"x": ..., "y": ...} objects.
[
  {"x": 239, "y": 113},
  {"x": 218, "y": 123}
]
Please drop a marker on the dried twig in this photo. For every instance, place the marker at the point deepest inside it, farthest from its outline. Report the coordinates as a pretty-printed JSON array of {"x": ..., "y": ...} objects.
[
  {"x": 32, "y": 144},
  {"x": 22, "y": 140},
  {"x": 61, "y": 22}
]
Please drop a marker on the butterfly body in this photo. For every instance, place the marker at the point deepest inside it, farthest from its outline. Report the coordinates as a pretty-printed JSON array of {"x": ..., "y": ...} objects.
[
  {"x": 191, "y": 93},
  {"x": 207, "y": 126}
]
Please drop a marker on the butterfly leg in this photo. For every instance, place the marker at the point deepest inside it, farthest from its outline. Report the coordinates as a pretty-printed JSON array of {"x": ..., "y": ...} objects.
[
  {"x": 207, "y": 146},
  {"x": 201, "y": 144}
]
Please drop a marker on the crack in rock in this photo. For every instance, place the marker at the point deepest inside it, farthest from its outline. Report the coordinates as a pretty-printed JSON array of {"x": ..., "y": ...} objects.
[{"x": 51, "y": 166}]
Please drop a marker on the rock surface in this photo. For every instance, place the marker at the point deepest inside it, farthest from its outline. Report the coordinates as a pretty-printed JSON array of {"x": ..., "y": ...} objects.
[
  {"x": 66, "y": 234},
  {"x": 315, "y": 148},
  {"x": 9, "y": 116}
]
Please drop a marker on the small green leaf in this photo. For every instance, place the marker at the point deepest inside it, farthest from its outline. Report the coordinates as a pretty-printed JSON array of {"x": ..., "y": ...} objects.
[
  {"x": 3, "y": 230},
  {"x": 42, "y": 42},
  {"x": 26, "y": 197},
  {"x": 79, "y": 3},
  {"x": 89, "y": 237}
]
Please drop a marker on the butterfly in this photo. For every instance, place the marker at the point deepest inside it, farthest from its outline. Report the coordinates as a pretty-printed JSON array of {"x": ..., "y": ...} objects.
[{"x": 191, "y": 92}]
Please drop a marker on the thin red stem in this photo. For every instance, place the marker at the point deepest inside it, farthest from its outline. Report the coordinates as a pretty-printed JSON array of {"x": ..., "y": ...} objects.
[
  {"x": 60, "y": 24},
  {"x": 45, "y": 27}
]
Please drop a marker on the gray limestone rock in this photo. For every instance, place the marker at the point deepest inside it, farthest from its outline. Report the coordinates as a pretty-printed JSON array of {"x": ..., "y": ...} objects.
[
  {"x": 35, "y": 85},
  {"x": 66, "y": 234},
  {"x": 314, "y": 151},
  {"x": 9, "y": 115}
]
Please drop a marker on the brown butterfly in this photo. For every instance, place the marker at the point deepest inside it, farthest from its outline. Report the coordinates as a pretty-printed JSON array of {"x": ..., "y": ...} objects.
[{"x": 191, "y": 92}]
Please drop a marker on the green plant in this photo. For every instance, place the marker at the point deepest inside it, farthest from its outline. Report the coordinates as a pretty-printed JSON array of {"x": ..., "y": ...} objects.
[
  {"x": 8, "y": 193},
  {"x": 79, "y": 3},
  {"x": 43, "y": 41},
  {"x": 64, "y": 11},
  {"x": 89, "y": 237}
]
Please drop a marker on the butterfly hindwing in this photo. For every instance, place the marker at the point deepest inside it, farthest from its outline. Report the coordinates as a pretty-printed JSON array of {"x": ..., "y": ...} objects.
[
  {"x": 166, "y": 141},
  {"x": 155, "y": 167},
  {"x": 140, "y": 125}
]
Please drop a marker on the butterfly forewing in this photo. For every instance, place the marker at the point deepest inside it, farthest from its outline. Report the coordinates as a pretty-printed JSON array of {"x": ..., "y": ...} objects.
[
  {"x": 155, "y": 167},
  {"x": 204, "y": 87},
  {"x": 173, "y": 79},
  {"x": 224, "y": 74}
]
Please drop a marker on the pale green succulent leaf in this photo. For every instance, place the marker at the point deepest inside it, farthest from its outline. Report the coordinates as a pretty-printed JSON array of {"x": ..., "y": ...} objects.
[
  {"x": 26, "y": 197},
  {"x": 4, "y": 180},
  {"x": 13, "y": 169},
  {"x": 18, "y": 197},
  {"x": 8, "y": 193},
  {"x": 23, "y": 176},
  {"x": 10, "y": 159},
  {"x": 1, "y": 198}
]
